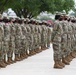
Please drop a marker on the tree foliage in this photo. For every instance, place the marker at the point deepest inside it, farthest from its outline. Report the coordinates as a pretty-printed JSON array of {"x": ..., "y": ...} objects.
[
  {"x": 30, "y": 8},
  {"x": 2, "y": 5}
]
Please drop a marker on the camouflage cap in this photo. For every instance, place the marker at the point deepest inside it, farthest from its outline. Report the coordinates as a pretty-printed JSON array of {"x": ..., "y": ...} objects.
[{"x": 27, "y": 19}]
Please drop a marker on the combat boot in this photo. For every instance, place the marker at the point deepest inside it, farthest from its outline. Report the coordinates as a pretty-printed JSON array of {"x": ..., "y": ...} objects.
[
  {"x": 45, "y": 47},
  {"x": 42, "y": 47},
  {"x": 57, "y": 65},
  {"x": 65, "y": 61},
  {"x": 35, "y": 50},
  {"x": 10, "y": 61},
  {"x": 73, "y": 54},
  {"x": 5, "y": 60},
  {"x": 17, "y": 58},
  {"x": 39, "y": 50},
  {"x": 69, "y": 58},
  {"x": 61, "y": 63},
  {"x": 32, "y": 52},
  {"x": 2, "y": 64},
  {"x": 48, "y": 46},
  {"x": 21, "y": 56},
  {"x": 75, "y": 51},
  {"x": 25, "y": 55}
]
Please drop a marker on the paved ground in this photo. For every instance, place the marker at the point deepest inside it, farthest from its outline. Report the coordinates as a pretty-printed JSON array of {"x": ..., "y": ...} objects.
[{"x": 40, "y": 64}]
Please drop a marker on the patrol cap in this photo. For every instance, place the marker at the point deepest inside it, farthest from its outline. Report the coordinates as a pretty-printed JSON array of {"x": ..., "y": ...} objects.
[
  {"x": 40, "y": 21},
  {"x": 17, "y": 18},
  {"x": 22, "y": 18},
  {"x": 44, "y": 21},
  {"x": 58, "y": 13},
  {"x": 27, "y": 19}
]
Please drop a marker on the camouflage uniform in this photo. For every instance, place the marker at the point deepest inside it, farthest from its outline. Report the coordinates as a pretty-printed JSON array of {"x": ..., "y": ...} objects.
[
  {"x": 43, "y": 37},
  {"x": 70, "y": 38},
  {"x": 56, "y": 40},
  {"x": 18, "y": 39},
  {"x": 74, "y": 36},
  {"x": 7, "y": 39},
  {"x": 64, "y": 39},
  {"x": 24, "y": 43},
  {"x": 36, "y": 38},
  {"x": 29, "y": 38},
  {"x": 2, "y": 50},
  {"x": 39, "y": 37},
  {"x": 12, "y": 39},
  {"x": 2, "y": 53},
  {"x": 48, "y": 36},
  {"x": 32, "y": 34},
  {"x": 46, "y": 33},
  {"x": 73, "y": 39}
]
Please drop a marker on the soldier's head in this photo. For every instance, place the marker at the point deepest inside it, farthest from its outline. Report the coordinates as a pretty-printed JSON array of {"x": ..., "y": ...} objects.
[
  {"x": 11, "y": 19},
  {"x": 43, "y": 22},
  {"x": 61, "y": 17},
  {"x": 5, "y": 19},
  {"x": 33, "y": 21},
  {"x": 37, "y": 22},
  {"x": 66, "y": 17},
  {"x": 69, "y": 19},
  {"x": 57, "y": 16},
  {"x": 22, "y": 19},
  {"x": 73, "y": 20},
  {"x": 17, "y": 19},
  {"x": 26, "y": 21},
  {"x": 40, "y": 22}
]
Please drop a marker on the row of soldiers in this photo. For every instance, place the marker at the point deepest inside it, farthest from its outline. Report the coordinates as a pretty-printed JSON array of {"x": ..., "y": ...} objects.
[
  {"x": 21, "y": 20},
  {"x": 18, "y": 40},
  {"x": 64, "y": 41}
]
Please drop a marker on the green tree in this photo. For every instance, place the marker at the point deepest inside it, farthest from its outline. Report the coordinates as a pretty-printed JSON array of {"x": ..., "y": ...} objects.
[
  {"x": 26, "y": 8},
  {"x": 68, "y": 4},
  {"x": 31, "y": 8},
  {"x": 2, "y": 5}
]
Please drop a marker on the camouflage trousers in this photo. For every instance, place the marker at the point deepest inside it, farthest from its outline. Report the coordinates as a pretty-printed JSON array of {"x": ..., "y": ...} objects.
[
  {"x": 6, "y": 48},
  {"x": 64, "y": 47},
  {"x": 11, "y": 49},
  {"x": 24, "y": 46},
  {"x": 17, "y": 46},
  {"x": 57, "y": 51},
  {"x": 74, "y": 42},
  {"x": 1, "y": 51}
]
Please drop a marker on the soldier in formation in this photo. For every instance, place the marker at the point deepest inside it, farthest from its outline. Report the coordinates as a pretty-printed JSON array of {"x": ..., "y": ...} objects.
[
  {"x": 63, "y": 40},
  {"x": 21, "y": 38}
]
